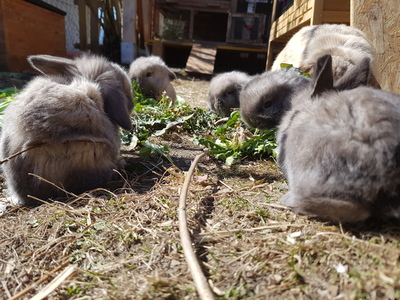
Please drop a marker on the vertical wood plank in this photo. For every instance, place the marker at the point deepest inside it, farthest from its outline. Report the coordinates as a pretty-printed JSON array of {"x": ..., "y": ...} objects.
[
  {"x": 272, "y": 35},
  {"x": 140, "y": 24},
  {"x": 3, "y": 51},
  {"x": 378, "y": 19},
  {"x": 191, "y": 25},
  {"x": 94, "y": 30},
  {"x": 318, "y": 7},
  {"x": 146, "y": 15},
  {"x": 82, "y": 25}
]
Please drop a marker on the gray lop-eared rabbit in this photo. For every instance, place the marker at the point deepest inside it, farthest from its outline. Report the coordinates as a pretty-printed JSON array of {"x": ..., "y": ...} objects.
[
  {"x": 339, "y": 145},
  {"x": 224, "y": 91},
  {"x": 153, "y": 77},
  {"x": 66, "y": 124},
  {"x": 347, "y": 45}
]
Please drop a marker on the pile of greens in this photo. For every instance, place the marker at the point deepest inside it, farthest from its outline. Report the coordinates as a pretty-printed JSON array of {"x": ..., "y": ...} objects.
[{"x": 226, "y": 139}]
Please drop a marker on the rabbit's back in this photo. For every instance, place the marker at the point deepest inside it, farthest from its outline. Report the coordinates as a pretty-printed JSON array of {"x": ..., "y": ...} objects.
[
  {"x": 348, "y": 46},
  {"x": 344, "y": 146}
]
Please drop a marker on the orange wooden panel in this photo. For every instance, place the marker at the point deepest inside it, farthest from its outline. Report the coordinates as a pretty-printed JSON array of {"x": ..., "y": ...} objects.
[
  {"x": 337, "y": 5},
  {"x": 29, "y": 29},
  {"x": 336, "y": 17}
]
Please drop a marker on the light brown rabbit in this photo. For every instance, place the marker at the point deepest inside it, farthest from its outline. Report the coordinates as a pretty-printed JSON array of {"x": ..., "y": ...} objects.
[
  {"x": 67, "y": 122},
  {"x": 153, "y": 77}
]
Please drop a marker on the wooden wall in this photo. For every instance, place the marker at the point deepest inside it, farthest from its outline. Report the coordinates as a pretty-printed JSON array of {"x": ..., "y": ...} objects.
[
  {"x": 310, "y": 12},
  {"x": 304, "y": 13},
  {"x": 202, "y": 5},
  {"x": 337, "y": 11},
  {"x": 299, "y": 14},
  {"x": 27, "y": 29},
  {"x": 379, "y": 19}
]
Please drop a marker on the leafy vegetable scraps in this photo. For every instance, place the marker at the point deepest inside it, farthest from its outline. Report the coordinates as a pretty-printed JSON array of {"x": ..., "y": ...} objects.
[
  {"x": 226, "y": 139},
  {"x": 231, "y": 141},
  {"x": 283, "y": 66}
]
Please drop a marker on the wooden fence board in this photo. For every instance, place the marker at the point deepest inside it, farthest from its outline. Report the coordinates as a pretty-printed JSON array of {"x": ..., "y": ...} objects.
[{"x": 379, "y": 20}]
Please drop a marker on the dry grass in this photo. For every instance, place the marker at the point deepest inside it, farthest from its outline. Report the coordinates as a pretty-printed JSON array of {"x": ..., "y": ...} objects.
[{"x": 123, "y": 243}]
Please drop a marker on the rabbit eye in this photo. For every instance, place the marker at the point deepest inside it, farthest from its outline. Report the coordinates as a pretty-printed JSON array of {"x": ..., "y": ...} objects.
[
  {"x": 267, "y": 104},
  {"x": 148, "y": 74}
]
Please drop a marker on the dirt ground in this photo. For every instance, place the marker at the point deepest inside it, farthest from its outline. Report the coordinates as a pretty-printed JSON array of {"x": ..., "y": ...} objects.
[{"x": 122, "y": 242}]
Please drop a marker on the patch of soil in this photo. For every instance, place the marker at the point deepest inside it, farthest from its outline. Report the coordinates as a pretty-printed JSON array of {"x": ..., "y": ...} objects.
[{"x": 193, "y": 89}]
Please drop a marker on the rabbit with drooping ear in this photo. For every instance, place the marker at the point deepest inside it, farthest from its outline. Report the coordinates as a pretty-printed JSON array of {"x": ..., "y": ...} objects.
[
  {"x": 224, "y": 91},
  {"x": 153, "y": 77},
  {"x": 347, "y": 45},
  {"x": 267, "y": 97},
  {"x": 340, "y": 148},
  {"x": 65, "y": 127}
]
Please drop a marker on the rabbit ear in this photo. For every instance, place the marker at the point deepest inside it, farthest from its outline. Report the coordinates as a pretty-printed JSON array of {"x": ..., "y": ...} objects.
[
  {"x": 323, "y": 79},
  {"x": 359, "y": 75},
  {"x": 53, "y": 65},
  {"x": 171, "y": 75},
  {"x": 116, "y": 105}
]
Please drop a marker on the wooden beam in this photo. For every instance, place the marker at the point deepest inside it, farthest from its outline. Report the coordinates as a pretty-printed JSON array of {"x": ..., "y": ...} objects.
[
  {"x": 191, "y": 24},
  {"x": 82, "y": 25},
  {"x": 94, "y": 29},
  {"x": 146, "y": 15},
  {"x": 3, "y": 50},
  {"x": 378, "y": 20},
  {"x": 318, "y": 8},
  {"x": 272, "y": 35},
  {"x": 140, "y": 25}
]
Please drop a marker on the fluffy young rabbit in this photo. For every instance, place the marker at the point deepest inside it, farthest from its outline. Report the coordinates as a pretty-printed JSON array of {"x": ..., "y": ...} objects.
[
  {"x": 224, "y": 91},
  {"x": 347, "y": 45},
  {"x": 67, "y": 124},
  {"x": 340, "y": 148},
  {"x": 267, "y": 97},
  {"x": 153, "y": 77}
]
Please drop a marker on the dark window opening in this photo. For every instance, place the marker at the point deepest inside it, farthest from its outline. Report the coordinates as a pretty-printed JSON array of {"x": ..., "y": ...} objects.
[
  {"x": 176, "y": 56},
  {"x": 210, "y": 26},
  {"x": 282, "y": 7}
]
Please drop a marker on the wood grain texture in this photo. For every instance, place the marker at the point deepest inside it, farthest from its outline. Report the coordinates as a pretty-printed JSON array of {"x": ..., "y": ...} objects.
[{"x": 379, "y": 20}]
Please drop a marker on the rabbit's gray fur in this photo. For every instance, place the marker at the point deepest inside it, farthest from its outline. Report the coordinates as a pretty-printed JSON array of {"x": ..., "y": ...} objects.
[
  {"x": 340, "y": 149},
  {"x": 267, "y": 97},
  {"x": 69, "y": 119},
  {"x": 347, "y": 45},
  {"x": 153, "y": 77},
  {"x": 224, "y": 91}
]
